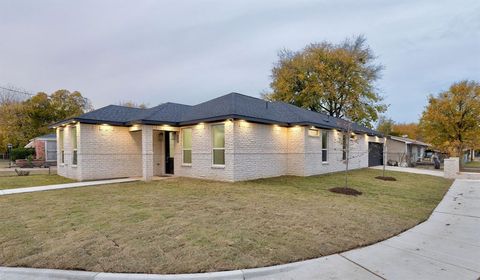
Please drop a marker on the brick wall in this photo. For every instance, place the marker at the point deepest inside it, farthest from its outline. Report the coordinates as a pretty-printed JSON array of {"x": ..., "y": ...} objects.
[
  {"x": 202, "y": 162},
  {"x": 259, "y": 150},
  {"x": 39, "y": 146},
  {"x": 296, "y": 150},
  {"x": 251, "y": 151},
  {"x": 104, "y": 151}
]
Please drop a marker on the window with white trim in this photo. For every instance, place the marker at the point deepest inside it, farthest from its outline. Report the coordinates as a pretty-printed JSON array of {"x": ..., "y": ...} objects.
[
  {"x": 73, "y": 135},
  {"x": 187, "y": 145},
  {"x": 61, "y": 143},
  {"x": 218, "y": 135},
  {"x": 50, "y": 150},
  {"x": 324, "y": 146}
]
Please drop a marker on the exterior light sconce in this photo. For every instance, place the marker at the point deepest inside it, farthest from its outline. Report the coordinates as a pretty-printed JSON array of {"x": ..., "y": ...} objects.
[{"x": 244, "y": 123}]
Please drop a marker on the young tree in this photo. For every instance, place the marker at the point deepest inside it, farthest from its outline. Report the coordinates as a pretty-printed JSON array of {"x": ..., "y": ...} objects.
[
  {"x": 334, "y": 79},
  {"x": 347, "y": 140},
  {"x": 451, "y": 120}
]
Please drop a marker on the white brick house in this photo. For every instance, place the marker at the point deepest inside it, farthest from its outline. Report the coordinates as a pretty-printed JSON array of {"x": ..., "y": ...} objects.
[{"x": 230, "y": 138}]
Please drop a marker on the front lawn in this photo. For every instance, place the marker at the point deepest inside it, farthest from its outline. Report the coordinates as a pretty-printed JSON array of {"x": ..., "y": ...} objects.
[
  {"x": 14, "y": 181},
  {"x": 180, "y": 225},
  {"x": 472, "y": 164}
]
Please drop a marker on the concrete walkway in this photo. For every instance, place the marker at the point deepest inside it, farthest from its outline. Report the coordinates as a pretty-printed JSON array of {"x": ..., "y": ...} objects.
[
  {"x": 446, "y": 246},
  {"x": 65, "y": 186},
  {"x": 438, "y": 173}
]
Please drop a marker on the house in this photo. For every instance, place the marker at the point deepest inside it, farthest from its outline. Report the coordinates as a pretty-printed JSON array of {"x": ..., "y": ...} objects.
[
  {"x": 45, "y": 148},
  {"x": 230, "y": 138},
  {"x": 404, "y": 151}
]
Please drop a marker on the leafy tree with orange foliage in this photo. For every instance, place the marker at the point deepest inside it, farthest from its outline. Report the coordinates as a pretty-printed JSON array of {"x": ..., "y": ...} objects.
[
  {"x": 410, "y": 129},
  {"x": 451, "y": 120}
]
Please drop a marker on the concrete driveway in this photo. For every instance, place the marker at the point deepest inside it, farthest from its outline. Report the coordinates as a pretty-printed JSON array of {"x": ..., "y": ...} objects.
[{"x": 446, "y": 246}]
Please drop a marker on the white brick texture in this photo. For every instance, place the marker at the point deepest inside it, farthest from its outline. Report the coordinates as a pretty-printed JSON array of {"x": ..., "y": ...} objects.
[{"x": 251, "y": 151}]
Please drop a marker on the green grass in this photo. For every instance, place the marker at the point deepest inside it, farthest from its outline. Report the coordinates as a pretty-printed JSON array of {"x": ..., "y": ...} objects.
[
  {"x": 14, "y": 181},
  {"x": 181, "y": 225},
  {"x": 472, "y": 164}
]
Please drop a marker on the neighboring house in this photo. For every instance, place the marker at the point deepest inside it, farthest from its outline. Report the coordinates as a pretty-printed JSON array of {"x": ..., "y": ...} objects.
[
  {"x": 405, "y": 151},
  {"x": 45, "y": 148},
  {"x": 230, "y": 138}
]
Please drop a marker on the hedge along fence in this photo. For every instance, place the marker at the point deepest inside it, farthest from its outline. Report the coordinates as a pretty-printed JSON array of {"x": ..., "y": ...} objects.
[{"x": 21, "y": 153}]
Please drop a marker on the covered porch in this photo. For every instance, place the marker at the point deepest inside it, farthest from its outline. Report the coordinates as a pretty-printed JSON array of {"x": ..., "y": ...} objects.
[{"x": 158, "y": 148}]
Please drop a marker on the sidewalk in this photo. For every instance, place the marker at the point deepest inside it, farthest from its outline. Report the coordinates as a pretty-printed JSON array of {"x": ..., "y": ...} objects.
[
  {"x": 446, "y": 246},
  {"x": 65, "y": 186}
]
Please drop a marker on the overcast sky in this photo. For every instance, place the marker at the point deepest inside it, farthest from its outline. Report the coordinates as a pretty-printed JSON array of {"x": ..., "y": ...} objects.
[{"x": 191, "y": 51}]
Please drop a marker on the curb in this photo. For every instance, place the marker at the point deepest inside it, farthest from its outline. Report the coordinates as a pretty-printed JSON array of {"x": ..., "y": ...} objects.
[{"x": 7, "y": 273}]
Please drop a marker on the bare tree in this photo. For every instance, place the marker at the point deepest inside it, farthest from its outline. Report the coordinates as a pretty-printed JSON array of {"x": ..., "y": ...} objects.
[
  {"x": 348, "y": 136},
  {"x": 12, "y": 94}
]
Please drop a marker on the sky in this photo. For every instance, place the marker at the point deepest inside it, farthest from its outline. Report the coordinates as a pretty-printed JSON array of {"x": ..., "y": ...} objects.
[{"x": 192, "y": 51}]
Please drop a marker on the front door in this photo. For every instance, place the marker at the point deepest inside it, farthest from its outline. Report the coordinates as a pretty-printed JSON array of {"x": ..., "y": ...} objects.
[{"x": 169, "y": 151}]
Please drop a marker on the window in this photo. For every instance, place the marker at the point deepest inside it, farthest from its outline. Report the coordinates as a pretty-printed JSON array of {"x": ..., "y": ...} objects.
[
  {"x": 74, "y": 144},
  {"x": 218, "y": 144},
  {"x": 187, "y": 145},
  {"x": 324, "y": 146},
  {"x": 313, "y": 132},
  {"x": 50, "y": 150},
  {"x": 62, "y": 151}
]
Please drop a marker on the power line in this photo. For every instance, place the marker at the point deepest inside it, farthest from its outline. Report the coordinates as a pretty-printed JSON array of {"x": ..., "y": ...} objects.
[{"x": 17, "y": 91}]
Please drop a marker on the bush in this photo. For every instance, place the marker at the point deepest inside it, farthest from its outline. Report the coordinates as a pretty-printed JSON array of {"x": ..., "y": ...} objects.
[{"x": 21, "y": 153}]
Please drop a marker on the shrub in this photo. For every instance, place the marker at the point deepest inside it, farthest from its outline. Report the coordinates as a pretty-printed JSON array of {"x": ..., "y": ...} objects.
[{"x": 21, "y": 153}]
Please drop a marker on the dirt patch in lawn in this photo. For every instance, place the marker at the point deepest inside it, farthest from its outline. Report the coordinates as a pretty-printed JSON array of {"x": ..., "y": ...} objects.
[
  {"x": 181, "y": 225},
  {"x": 386, "y": 178},
  {"x": 347, "y": 191}
]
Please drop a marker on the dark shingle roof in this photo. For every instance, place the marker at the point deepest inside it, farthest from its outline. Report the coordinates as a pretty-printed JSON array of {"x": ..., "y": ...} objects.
[{"x": 232, "y": 105}]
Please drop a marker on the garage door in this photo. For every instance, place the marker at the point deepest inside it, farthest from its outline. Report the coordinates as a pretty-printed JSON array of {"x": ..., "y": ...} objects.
[{"x": 375, "y": 154}]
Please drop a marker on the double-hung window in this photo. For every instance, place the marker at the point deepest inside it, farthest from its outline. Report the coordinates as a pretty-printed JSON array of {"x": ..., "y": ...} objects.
[
  {"x": 218, "y": 134},
  {"x": 61, "y": 144},
  {"x": 50, "y": 150},
  {"x": 187, "y": 145},
  {"x": 74, "y": 145},
  {"x": 324, "y": 146},
  {"x": 344, "y": 146}
]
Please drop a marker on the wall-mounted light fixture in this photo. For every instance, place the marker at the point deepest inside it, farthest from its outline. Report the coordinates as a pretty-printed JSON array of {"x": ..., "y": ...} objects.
[{"x": 105, "y": 127}]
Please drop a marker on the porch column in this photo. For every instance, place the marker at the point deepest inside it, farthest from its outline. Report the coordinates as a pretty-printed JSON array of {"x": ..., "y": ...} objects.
[{"x": 147, "y": 152}]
